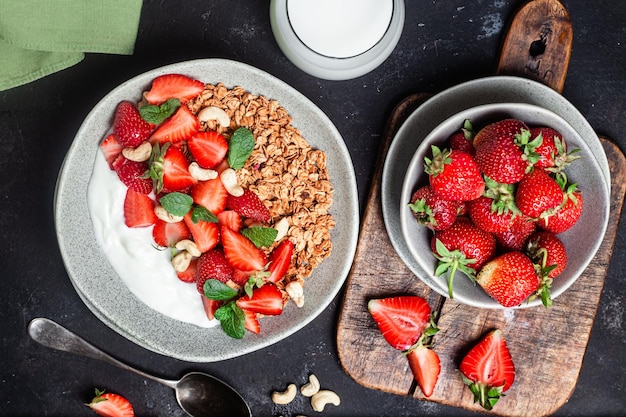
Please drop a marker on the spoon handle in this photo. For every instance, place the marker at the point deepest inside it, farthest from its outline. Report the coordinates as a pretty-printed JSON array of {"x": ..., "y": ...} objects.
[{"x": 50, "y": 334}]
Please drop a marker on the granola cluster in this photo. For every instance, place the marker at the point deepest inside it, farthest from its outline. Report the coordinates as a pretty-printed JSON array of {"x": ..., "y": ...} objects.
[{"x": 289, "y": 176}]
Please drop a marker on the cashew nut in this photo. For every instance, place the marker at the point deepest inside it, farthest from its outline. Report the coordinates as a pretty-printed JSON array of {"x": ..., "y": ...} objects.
[
  {"x": 294, "y": 289},
  {"x": 323, "y": 397},
  {"x": 282, "y": 226},
  {"x": 201, "y": 174},
  {"x": 229, "y": 180},
  {"x": 299, "y": 301},
  {"x": 214, "y": 113},
  {"x": 286, "y": 396},
  {"x": 189, "y": 246},
  {"x": 181, "y": 261},
  {"x": 312, "y": 387},
  {"x": 140, "y": 153},
  {"x": 166, "y": 216}
]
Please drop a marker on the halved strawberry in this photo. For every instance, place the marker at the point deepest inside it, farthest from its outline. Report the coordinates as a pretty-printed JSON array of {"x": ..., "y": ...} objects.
[
  {"x": 169, "y": 86},
  {"x": 213, "y": 265},
  {"x": 189, "y": 274},
  {"x": 205, "y": 234},
  {"x": 129, "y": 128},
  {"x": 210, "y": 194},
  {"x": 138, "y": 209},
  {"x": 210, "y": 306},
  {"x": 401, "y": 320},
  {"x": 133, "y": 174},
  {"x": 111, "y": 405},
  {"x": 251, "y": 323},
  {"x": 266, "y": 300},
  {"x": 241, "y": 253},
  {"x": 249, "y": 205},
  {"x": 208, "y": 148},
  {"x": 425, "y": 366},
  {"x": 168, "y": 234},
  {"x": 180, "y": 126},
  {"x": 111, "y": 149},
  {"x": 170, "y": 169},
  {"x": 488, "y": 369},
  {"x": 280, "y": 260},
  {"x": 230, "y": 219}
]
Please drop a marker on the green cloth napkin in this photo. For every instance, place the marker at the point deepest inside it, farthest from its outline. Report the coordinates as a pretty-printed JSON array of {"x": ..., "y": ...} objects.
[{"x": 39, "y": 37}]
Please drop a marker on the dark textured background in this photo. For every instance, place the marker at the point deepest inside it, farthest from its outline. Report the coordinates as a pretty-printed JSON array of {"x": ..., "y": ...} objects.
[{"x": 443, "y": 43}]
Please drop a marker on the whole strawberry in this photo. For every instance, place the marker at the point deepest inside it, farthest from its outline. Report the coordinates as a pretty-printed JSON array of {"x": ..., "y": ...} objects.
[
  {"x": 567, "y": 214},
  {"x": 552, "y": 152},
  {"x": 515, "y": 237},
  {"x": 431, "y": 210},
  {"x": 212, "y": 265},
  {"x": 249, "y": 206},
  {"x": 509, "y": 278},
  {"x": 548, "y": 252},
  {"x": 454, "y": 174},
  {"x": 133, "y": 174},
  {"x": 463, "y": 247},
  {"x": 538, "y": 195},
  {"x": 463, "y": 139},
  {"x": 505, "y": 153},
  {"x": 129, "y": 128}
]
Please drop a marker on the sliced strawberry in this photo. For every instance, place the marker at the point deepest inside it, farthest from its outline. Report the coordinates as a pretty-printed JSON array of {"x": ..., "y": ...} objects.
[
  {"x": 210, "y": 194},
  {"x": 111, "y": 149},
  {"x": 488, "y": 369},
  {"x": 205, "y": 234},
  {"x": 401, "y": 320},
  {"x": 189, "y": 274},
  {"x": 251, "y": 323},
  {"x": 249, "y": 205},
  {"x": 213, "y": 265},
  {"x": 169, "y": 86},
  {"x": 138, "y": 209},
  {"x": 241, "y": 277},
  {"x": 133, "y": 174},
  {"x": 266, "y": 300},
  {"x": 168, "y": 234},
  {"x": 208, "y": 148},
  {"x": 173, "y": 170},
  {"x": 280, "y": 260},
  {"x": 210, "y": 307},
  {"x": 425, "y": 366},
  {"x": 241, "y": 253},
  {"x": 180, "y": 126},
  {"x": 230, "y": 219},
  {"x": 111, "y": 405},
  {"x": 129, "y": 128}
]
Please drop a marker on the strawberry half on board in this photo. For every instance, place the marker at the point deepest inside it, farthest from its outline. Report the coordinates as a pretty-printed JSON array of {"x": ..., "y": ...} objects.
[
  {"x": 488, "y": 369},
  {"x": 111, "y": 405}
]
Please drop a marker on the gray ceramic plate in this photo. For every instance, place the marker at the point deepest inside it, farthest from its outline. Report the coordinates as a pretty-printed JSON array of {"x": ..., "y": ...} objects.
[
  {"x": 496, "y": 89},
  {"x": 585, "y": 172},
  {"x": 102, "y": 290}
]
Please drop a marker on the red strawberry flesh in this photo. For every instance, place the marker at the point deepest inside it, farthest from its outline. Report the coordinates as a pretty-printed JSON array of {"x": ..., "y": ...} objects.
[{"x": 401, "y": 320}]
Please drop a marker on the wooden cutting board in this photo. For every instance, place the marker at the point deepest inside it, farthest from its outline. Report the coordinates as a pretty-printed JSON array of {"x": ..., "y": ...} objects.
[{"x": 547, "y": 345}]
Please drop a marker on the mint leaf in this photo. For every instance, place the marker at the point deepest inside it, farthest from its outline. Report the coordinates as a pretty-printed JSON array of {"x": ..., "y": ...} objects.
[
  {"x": 240, "y": 147},
  {"x": 176, "y": 203},
  {"x": 260, "y": 236},
  {"x": 232, "y": 320},
  {"x": 201, "y": 213},
  {"x": 217, "y": 290},
  {"x": 157, "y": 114}
]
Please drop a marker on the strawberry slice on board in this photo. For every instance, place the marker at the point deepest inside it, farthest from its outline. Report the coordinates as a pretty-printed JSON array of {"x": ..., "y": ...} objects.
[
  {"x": 129, "y": 128},
  {"x": 488, "y": 369},
  {"x": 249, "y": 206},
  {"x": 210, "y": 194},
  {"x": 107, "y": 404},
  {"x": 180, "y": 126},
  {"x": 138, "y": 209},
  {"x": 266, "y": 300},
  {"x": 241, "y": 253},
  {"x": 111, "y": 149},
  {"x": 426, "y": 367},
  {"x": 169, "y": 86},
  {"x": 205, "y": 234},
  {"x": 280, "y": 260},
  {"x": 402, "y": 320},
  {"x": 208, "y": 148},
  {"x": 167, "y": 234}
]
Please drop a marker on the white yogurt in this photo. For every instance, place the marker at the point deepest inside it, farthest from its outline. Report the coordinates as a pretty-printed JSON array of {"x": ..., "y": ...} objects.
[{"x": 146, "y": 271}]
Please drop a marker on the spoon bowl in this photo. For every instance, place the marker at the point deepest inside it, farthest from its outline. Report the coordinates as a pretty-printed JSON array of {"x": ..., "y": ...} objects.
[{"x": 197, "y": 393}]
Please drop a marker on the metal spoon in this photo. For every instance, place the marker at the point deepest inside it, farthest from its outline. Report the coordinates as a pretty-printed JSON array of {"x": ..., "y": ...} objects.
[{"x": 198, "y": 394}]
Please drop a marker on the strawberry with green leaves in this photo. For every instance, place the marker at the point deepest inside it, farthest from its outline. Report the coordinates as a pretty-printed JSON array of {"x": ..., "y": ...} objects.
[
  {"x": 129, "y": 128},
  {"x": 567, "y": 214},
  {"x": 107, "y": 404},
  {"x": 169, "y": 169},
  {"x": 538, "y": 195},
  {"x": 212, "y": 265},
  {"x": 454, "y": 174},
  {"x": 548, "y": 252},
  {"x": 431, "y": 210},
  {"x": 553, "y": 149},
  {"x": 494, "y": 211},
  {"x": 509, "y": 278},
  {"x": 463, "y": 140},
  {"x": 488, "y": 369}
]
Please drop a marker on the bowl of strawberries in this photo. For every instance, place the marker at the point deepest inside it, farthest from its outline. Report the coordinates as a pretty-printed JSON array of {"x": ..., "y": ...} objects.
[{"x": 504, "y": 205}]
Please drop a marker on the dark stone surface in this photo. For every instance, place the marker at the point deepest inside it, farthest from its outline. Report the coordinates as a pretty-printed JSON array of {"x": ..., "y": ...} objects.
[{"x": 443, "y": 43}]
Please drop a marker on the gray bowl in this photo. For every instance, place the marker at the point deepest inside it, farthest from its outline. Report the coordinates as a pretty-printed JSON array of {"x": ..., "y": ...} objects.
[{"x": 587, "y": 172}]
